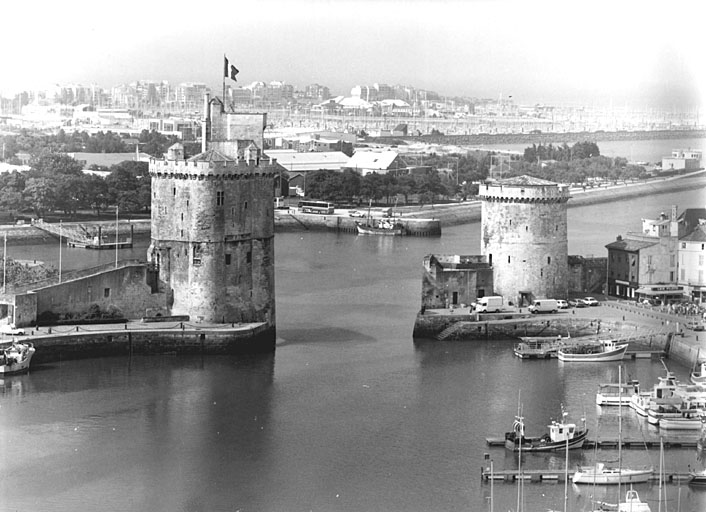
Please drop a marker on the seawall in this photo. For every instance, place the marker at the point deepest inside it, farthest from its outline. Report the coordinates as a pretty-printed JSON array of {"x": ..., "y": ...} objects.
[
  {"x": 64, "y": 343},
  {"x": 464, "y": 213},
  {"x": 290, "y": 221}
]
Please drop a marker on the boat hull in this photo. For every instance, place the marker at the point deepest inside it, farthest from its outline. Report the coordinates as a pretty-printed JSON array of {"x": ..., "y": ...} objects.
[
  {"x": 612, "y": 477},
  {"x": 680, "y": 423},
  {"x": 609, "y": 355},
  {"x": 372, "y": 230}
]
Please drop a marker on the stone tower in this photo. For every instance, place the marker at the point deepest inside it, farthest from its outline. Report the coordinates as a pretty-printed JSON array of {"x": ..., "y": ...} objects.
[
  {"x": 213, "y": 222},
  {"x": 524, "y": 237}
]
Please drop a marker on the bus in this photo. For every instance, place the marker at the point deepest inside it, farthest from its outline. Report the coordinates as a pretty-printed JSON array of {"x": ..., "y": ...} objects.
[{"x": 321, "y": 207}]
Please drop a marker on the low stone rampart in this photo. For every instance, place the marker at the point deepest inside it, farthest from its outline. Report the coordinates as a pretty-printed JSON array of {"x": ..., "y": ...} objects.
[{"x": 62, "y": 344}]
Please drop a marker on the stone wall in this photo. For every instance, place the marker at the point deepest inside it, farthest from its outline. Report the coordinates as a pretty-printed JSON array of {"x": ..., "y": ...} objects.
[{"x": 125, "y": 288}]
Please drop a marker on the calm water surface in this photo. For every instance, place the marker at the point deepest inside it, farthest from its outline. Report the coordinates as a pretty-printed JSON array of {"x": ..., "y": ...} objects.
[{"x": 349, "y": 414}]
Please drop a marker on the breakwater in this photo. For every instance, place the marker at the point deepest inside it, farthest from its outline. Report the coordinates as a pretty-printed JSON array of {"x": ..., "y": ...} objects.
[
  {"x": 63, "y": 343},
  {"x": 464, "y": 213},
  {"x": 541, "y": 138}
]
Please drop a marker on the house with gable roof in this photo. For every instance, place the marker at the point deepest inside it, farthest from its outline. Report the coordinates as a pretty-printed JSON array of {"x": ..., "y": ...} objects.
[{"x": 378, "y": 162}]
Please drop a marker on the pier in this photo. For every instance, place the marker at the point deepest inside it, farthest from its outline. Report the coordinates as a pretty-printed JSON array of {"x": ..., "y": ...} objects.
[
  {"x": 89, "y": 237},
  {"x": 609, "y": 444},
  {"x": 557, "y": 475}
]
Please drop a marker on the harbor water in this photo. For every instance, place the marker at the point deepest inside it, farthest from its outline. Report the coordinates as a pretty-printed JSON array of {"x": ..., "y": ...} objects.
[{"x": 349, "y": 414}]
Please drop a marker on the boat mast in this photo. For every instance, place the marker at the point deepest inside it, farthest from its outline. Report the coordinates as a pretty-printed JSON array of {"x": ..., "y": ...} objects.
[
  {"x": 519, "y": 452},
  {"x": 620, "y": 427},
  {"x": 566, "y": 461}
]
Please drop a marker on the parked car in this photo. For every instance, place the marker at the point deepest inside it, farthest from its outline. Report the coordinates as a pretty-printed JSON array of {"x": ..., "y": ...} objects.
[
  {"x": 590, "y": 301},
  {"x": 11, "y": 329},
  {"x": 577, "y": 303},
  {"x": 356, "y": 213},
  {"x": 562, "y": 304},
  {"x": 695, "y": 326}
]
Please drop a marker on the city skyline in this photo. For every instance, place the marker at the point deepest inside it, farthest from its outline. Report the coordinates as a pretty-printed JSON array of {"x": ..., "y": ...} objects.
[{"x": 545, "y": 52}]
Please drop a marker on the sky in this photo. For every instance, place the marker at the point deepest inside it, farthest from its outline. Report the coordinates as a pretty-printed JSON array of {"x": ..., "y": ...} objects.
[{"x": 598, "y": 53}]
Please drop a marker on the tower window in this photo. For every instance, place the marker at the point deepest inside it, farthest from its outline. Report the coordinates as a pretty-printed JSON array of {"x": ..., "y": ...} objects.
[
  {"x": 508, "y": 259},
  {"x": 246, "y": 205},
  {"x": 549, "y": 260},
  {"x": 220, "y": 198},
  {"x": 196, "y": 257},
  {"x": 526, "y": 228},
  {"x": 174, "y": 191},
  {"x": 248, "y": 257},
  {"x": 182, "y": 217},
  {"x": 106, "y": 292},
  {"x": 227, "y": 259}
]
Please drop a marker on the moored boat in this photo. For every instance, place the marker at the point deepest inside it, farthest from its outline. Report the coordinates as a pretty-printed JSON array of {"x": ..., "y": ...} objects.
[
  {"x": 538, "y": 347},
  {"x": 685, "y": 419},
  {"x": 602, "y": 475},
  {"x": 560, "y": 435},
  {"x": 697, "y": 477},
  {"x": 699, "y": 376},
  {"x": 633, "y": 503},
  {"x": 605, "y": 350},
  {"x": 614, "y": 393},
  {"x": 382, "y": 227},
  {"x": 16, "y": 358}
]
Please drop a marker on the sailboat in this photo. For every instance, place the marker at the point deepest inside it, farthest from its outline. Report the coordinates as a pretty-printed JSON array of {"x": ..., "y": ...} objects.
[{"x": 604, "y": 475}]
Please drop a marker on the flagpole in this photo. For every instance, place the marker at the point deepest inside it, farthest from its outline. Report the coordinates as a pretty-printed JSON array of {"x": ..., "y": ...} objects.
[
  {"x": 4, "y": 263},
  {"x": 117, "y": 208},
  {"x": 225, "y": 73},
  {"x": 60, "y": 235}
]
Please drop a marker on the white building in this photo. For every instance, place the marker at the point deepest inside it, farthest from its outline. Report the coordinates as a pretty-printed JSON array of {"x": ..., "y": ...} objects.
[{"x": 692, "y": 263}]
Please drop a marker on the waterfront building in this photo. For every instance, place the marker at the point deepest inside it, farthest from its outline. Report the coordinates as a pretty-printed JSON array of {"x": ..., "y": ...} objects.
[
  {"x": 682, "y": 160},
  {"x": 453, "y": 280},
  {"x": 378, "y": 162},
  {"x": 645, "y": 264},
  {"x": 692, "y": 259},
  {"x": 213, "y": 222},
  {"x": 524, "y": 237}
]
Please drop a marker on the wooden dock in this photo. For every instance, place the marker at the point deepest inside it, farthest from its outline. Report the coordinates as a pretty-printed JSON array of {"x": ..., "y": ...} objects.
[
  {"x": 549, "y": 475},
  {"x": 613, "y": 443}
]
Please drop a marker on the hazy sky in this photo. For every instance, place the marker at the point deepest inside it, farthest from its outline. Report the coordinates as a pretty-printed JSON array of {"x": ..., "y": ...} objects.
[{"x": 589, "y": 52}]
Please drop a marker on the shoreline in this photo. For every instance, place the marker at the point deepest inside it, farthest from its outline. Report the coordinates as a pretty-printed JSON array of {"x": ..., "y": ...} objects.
[{"x": 449, "y": 214}]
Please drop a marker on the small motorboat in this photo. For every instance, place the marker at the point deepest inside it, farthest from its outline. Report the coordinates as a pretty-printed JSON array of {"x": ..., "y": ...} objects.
[
  {"x": 538, "y": 347},
  {"x": 697, "y": 477},
  {"x": 613, "y": 393},
  {"x": 699, "y": 376},
  {"x": 561, "y": 434},
  {"x": 16, "y": 358},
  {"x": 633, "y": 503}
]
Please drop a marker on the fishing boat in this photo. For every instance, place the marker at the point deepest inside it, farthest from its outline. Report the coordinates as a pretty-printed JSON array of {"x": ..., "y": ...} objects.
[
  {"x": 561, "y": 434},
  {"x": 381, "y": 227},
  {"x": 699, "y": 376},
  {"x": 614, "y": 393},
  {"x": 538, "y": 347},
  {"x": 385, "y": 226},
  {"x": 604, "y": 350},
  {"x": 16, "y": 358},
  {"x": 697, "y": 477}
]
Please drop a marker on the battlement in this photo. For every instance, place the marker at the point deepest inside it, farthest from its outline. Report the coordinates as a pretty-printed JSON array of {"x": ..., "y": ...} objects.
[
  {"x": 200, "y": 169},
  {"x": 511, "y": 192}
]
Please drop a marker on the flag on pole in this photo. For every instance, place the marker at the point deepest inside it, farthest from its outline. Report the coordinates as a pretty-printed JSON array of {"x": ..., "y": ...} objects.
[
  {"x": 225, "y": 66},
  {"x": 233, "y": 71}
]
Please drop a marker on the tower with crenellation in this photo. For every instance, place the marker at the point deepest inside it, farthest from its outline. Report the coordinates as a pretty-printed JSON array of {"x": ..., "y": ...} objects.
[
  {"x": 213, "y": 222},
  {"x": 524, "y": 237}
]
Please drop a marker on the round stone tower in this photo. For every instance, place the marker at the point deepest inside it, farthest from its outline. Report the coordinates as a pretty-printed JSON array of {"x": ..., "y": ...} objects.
[
  {"x": 213, "y": 222},
  {"x": 524, "y": 237}
]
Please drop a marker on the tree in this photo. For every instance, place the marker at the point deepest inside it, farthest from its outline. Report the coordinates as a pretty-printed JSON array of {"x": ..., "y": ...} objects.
[
  {"x": 40, "y": 194},
  {"x": 51, "y": 164}
]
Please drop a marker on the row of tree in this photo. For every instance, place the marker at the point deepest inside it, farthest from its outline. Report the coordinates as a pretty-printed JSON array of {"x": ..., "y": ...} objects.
[
  {"x": 56, "y": 182},
  {"x": 37, "y": 143}
]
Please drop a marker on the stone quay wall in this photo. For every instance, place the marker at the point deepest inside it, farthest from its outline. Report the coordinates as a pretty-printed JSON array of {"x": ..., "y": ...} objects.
[{"x": 66, "y": 343}]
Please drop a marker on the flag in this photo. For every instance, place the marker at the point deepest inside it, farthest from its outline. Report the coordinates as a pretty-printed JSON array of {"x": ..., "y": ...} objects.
[
  {"x": 233, "y": 71},
  {"x": 225, "y": 66}
]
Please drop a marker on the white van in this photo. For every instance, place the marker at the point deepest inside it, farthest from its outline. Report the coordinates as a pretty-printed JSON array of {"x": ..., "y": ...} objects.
[
  {"x": 492, "y": 303},
  {"x": 544, "y": 306}
]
